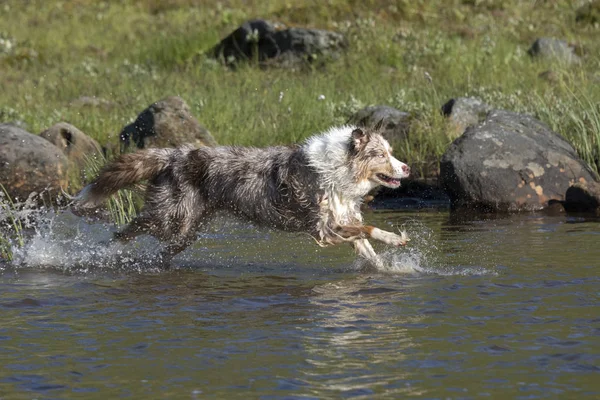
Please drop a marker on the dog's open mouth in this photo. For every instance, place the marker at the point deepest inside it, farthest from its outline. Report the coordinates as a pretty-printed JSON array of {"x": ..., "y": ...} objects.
[{"x": 388, "y": 180}]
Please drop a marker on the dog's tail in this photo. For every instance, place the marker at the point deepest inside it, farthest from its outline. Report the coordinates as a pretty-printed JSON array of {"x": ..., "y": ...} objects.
[{"x": 123, "y": 172}]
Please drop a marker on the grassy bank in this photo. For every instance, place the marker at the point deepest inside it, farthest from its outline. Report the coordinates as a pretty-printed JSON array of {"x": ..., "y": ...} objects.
[{"x": 132, "y": 53}]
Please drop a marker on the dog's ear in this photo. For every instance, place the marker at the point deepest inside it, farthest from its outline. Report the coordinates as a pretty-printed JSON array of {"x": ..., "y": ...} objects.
[{"x": 359, "y": 139}]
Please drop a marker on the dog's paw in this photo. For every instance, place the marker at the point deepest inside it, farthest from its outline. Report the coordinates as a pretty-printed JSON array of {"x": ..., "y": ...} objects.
[
  {"x": 390, "y": 238},
  {"x": 404, "y": 237}
]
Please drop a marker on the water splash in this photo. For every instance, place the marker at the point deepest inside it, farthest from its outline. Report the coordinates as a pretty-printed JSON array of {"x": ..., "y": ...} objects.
[
  {"x": 423, "y": 256},
  {"x": 61, "y": 240},
  {"x": 66, "y": 242}
]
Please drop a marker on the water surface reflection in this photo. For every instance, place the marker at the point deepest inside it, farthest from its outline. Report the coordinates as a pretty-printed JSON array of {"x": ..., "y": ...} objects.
[{"x": 503, "y": 308}]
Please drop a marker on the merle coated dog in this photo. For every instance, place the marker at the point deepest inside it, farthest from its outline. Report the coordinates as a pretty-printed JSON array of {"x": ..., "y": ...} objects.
[{"x": 316, "y": 187}]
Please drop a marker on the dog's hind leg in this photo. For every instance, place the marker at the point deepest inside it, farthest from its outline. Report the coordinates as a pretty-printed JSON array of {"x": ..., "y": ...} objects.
[
  {"x": 174, "y": 248},
  {"x": 139, "y": 226},
  {"x": 185, "y": 236}
]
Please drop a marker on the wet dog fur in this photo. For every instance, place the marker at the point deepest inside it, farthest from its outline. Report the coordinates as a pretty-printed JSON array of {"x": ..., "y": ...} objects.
[{"x": 316, "y": 188}]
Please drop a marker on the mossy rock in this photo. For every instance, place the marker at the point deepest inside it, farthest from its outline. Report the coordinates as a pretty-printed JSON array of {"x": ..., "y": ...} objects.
[
  {"x": 166, "y": 123},
  {"x": 29, "y": 163},
  {"x": 76, "y": 145},
  {"x": 589, "y": 13}
]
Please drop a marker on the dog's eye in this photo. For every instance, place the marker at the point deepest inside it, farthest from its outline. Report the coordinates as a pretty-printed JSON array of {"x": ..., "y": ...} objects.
[{"x": 381, "y": 155}]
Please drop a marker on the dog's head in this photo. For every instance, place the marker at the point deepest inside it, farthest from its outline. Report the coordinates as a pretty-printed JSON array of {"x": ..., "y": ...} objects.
[{"x": 371, "y": 156}]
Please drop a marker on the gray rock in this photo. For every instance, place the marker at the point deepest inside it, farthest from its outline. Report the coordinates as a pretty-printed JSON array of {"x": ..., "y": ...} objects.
[
  {"x": 76, "y": 145},
  {"x": 250, "y": 36},
  {"x": 29, "y": 163},
  {"x": 18, "y": 123},
  {"x": 465, "y": 111},
  {"x": 166, "y": 123},
  {"x": 510, "y": 162},
  {"x": 554, "y": 49},
  {"x": 274, "y": 44},
  {"x": 395, "y": 123},
  {"x": 589, "y": 13}
]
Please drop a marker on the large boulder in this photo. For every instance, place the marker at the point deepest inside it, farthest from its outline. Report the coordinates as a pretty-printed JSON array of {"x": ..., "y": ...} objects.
[
  {"x": 29, "y": 163},
  {"x": 273, "y": 43},
  {"x": 18, "y": 123},
  {"x": 555, "y": 50},
  {"x": 76, "y": 145},
  {"x": 395, "y": 124},
  {"x": 510, "y": 162},
  {"x": 464, "y": 112},
  {"x": 166, "y": 123}
]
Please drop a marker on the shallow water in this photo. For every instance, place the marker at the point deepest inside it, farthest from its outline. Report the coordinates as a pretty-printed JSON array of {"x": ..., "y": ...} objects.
[{"x": 499, "y": 308}]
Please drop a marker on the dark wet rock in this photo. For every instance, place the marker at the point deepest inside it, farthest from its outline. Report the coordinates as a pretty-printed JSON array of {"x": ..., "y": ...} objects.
[
  {"x": 554, "y": 49},
  {"x": 510, "y": 162},
  {"x": 589, "y": 13},
  {"x": 555, "y": 207},
  {"x": 465, "y": 111},
  {"x": 76, "y": 145},
  {"x": 166, "y": 123},
  {"x": 395, "y": 123},
  {"x": 29, "y": 163},
  {"x": 414, "y": 193},
  {"x": 273, "y": 43},
  {"x": 250, "y": 36},
  {"x": 583, "y": 197}
]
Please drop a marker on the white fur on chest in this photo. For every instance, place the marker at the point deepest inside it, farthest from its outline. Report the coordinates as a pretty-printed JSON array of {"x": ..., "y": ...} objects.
[
  {"x": 344, "y": 211},
  {"x": 337, "y": 210},
  {"x": 328, "y": 155}
]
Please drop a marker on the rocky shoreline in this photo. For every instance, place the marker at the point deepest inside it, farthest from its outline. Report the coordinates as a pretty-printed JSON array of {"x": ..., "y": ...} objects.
[{"x": 502, "y": 162}]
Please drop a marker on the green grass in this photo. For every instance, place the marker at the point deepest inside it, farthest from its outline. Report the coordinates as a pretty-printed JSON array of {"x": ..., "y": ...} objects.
[
  {"x": 123, "y": 206},
  {"x": 133, "y": 53}
]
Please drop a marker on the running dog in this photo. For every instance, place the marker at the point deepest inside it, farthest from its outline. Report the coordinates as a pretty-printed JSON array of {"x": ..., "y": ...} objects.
[{"x": 316, "y": 188}]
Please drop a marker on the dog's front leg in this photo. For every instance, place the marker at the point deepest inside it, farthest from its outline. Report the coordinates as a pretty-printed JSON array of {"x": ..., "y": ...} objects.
[
  {"x": 388, "y": 237},
  {"x": 353, "y": 233},
  {"x": 364, "y": 249}
]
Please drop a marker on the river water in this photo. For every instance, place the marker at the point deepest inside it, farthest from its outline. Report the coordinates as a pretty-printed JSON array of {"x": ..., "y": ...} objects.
[{"x": 474, "y": 307}]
